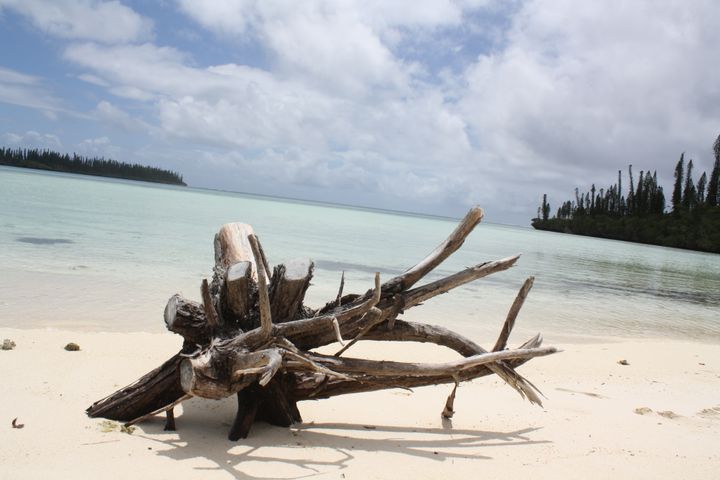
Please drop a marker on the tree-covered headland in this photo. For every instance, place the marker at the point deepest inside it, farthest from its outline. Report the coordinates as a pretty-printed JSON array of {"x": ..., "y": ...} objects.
[
  {"x": 639, "y": 214},
  {"x": 57, "y": 162}
]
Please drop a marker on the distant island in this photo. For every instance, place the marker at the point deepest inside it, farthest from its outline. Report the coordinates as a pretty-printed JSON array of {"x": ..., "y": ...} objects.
[
  {"x": 57, "y": 162},
  {"x": 693, "y": 222}
]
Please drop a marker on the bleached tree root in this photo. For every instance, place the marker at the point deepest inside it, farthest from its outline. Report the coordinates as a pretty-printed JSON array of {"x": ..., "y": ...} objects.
[{"x": 253, "y": 337}]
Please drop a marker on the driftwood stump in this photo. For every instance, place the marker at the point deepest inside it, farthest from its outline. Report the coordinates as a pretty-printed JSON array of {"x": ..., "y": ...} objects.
[{"x": 253, "y": 337}]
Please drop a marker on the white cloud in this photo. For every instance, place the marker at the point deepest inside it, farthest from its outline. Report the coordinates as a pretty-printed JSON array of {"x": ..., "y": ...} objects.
[
  {"x": 248, "y": 16},
  {"x": 341, "y": 46},
  {"x": 334, "y": 53},
  {"x": 583, "y": 89},
  {"x": 230, "y": 17},
  {"x": 570, "y": 93},
  {"x": 108, "y": 22},
  {"x": 100, "y": 147},
  {"x": 237, "y": 107},
  {"x": 31, "y": 139},
  {"x": 146, "y": 70},
  {"x": 94, "y": 80},
  {"x": 25, "y": 90},
  {"x": 111, "y": 114},
  {"x": 13, "y": 77}
]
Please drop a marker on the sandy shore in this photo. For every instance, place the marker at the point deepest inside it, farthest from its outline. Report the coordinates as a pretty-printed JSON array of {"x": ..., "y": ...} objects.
[{"x": 658, "y": 417}]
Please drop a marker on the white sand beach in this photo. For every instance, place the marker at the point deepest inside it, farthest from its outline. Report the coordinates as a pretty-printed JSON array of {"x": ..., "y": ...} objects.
[{"x": 658, "y": 417}]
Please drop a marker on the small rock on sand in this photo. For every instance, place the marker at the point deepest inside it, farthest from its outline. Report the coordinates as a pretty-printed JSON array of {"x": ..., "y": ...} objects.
[
  {"x": 623, "y": 362},
  {"x": 72, "y": 347},
  {"x": 8, "y": 344}
]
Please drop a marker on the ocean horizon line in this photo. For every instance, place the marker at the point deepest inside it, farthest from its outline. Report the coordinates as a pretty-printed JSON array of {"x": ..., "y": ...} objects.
[{"x": 265, "y": 196}]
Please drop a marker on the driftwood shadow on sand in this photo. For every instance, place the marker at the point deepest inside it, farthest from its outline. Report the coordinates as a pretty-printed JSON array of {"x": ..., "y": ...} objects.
[{"x": 310, "y": 449}]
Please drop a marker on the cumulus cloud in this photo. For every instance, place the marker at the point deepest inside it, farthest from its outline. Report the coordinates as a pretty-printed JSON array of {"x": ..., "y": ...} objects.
[
  {"x": 584, "y": 89},
  {"x": 109, "y": 22},
  {"x": 293, "y": 127},
  {"x": 149, "y": 70},
  {"x": 247, "y": 16},
  {"x": 336, "y": 45}
]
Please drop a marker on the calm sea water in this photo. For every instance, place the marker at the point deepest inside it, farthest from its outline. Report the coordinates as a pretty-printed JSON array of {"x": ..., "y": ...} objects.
[{"x": 100, "y": 254}]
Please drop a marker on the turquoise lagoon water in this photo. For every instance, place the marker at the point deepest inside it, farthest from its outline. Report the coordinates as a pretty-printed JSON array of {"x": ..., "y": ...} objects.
[{"x": 100, "y": 254}]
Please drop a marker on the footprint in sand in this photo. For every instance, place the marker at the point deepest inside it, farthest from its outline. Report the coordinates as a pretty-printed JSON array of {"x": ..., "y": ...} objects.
[
  {"x": 712, "y": 412},
  {"x": 666, "y": 414}
]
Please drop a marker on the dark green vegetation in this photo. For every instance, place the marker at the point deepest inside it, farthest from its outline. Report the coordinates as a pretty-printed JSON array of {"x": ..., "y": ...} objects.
[
  {"x": 57, "y": 162},
  {"x": 693, "y": 221}
]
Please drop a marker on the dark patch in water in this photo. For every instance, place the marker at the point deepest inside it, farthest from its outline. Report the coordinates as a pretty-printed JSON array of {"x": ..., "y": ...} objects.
[
  {"x": 340, "y": 266},
  {"x": 43, "y": 241},
  {"x": 700, "y": 298}
]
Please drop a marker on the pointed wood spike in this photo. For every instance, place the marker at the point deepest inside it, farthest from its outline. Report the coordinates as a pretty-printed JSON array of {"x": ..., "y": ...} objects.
[
  {"x": 420, "y": 294},
  {"x": 263, "y": 298},
  {"x": 451, "y": 244},
  {"x": 502, "y": 340},
  {"x": 211, "y": 315},
  {"x": 449, "y": 409}
]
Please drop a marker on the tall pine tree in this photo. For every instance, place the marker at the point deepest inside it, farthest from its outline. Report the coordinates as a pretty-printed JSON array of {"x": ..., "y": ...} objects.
[
  {"x": 689, "y": 200},
  {"x": 714, "y": 182},
  {"x": 640, "y": 195},
  {"x": 545, "y": 208},
  {"x": 701, "y": 186},
  {"x": 677, "y": 190},
  {"x": 631, "y": 195},
  {"x": 619, "y": 206}
]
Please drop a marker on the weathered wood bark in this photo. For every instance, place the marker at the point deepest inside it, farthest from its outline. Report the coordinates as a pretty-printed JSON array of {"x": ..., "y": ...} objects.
[
  {"x": 234, "y": 276},
  {"x": 232, "y": 245},
  {"x": 236, "y": 294},
  {"x": 187, "y": 318},
  {"x": 252, "y": 337},
  {"x": 290, "y": 282},
  {"x": 155, "y": 390}
]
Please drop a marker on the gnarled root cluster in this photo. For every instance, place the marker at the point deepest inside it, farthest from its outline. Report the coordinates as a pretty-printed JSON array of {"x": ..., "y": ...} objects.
[{"x": 253, "y": 337}]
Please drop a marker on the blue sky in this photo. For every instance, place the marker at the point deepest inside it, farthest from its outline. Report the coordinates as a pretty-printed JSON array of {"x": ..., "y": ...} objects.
[{"x": 425, "y": 106}]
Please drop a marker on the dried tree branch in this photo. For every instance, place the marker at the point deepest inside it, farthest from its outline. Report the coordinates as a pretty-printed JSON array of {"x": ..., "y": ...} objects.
[
  {"x": 159, "y": 410},
  {"x": 382, "y": 368},
  {"x": 418, "y": 332},
  {"x": 263, "y": 298},
  {"x": 338, "y": 298},
  {"x": 263, "y": 258},
  {"x": 420, "y": 294},
  {"x": 309, "y": 325},
  {"x": 449, "y": 409},
  {"x": 437, "y": 256},
  {"x": 372, "y": 318},
  {"x": 501, "y": 342},
  {"x": 309, "y": 386},
  {"x": 210, "y": 314}
]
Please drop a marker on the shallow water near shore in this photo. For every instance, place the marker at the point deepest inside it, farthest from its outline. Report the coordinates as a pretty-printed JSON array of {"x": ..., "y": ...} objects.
[{"x": 100, "y": 254}]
